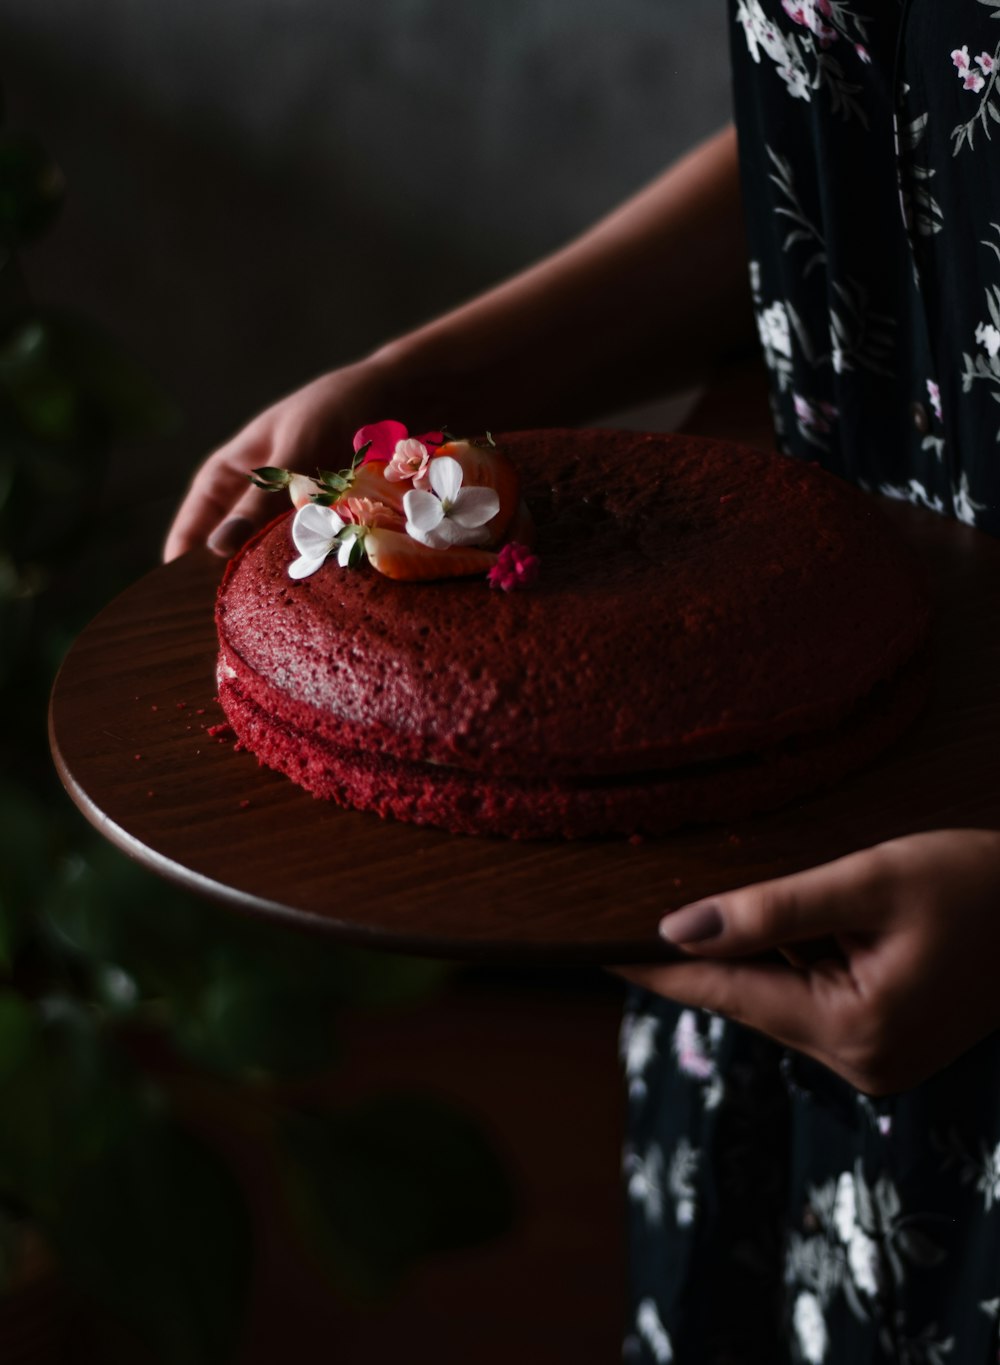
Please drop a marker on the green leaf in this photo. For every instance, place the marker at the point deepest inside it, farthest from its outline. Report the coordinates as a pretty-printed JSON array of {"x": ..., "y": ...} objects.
[
  {"x": 269, "y": 478},
  {"x": 382, "y": 1187},
  {"x": 156, "y": 1229}
]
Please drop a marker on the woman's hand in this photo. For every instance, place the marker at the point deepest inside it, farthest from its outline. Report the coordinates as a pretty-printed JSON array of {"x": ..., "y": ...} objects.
[
  {"x": 892, "y": 957},
  {"x": 312, "y": 428}
]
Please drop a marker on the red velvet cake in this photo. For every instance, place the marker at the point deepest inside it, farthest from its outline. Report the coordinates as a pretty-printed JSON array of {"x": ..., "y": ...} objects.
[{"x": 714, "y": 631}]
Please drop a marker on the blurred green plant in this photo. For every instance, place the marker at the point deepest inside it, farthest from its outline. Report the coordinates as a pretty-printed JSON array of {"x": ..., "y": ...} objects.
[{"x": 97, "y": 958}]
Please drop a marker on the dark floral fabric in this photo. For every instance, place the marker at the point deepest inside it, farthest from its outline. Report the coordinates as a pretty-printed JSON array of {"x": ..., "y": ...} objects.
[
  {"x": 776, "y": 1215},
  {"x": 869, "y": 140}
]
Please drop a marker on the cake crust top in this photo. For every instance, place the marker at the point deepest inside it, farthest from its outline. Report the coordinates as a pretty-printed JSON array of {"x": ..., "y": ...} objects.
[{"x": 697, "y": 600}]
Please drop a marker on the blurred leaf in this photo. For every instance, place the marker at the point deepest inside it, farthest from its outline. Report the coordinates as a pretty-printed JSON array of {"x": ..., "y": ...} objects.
[
  {"x": 65, "y": 1094},
  {"x": 64, "y": 377},
  {"x": 24, "y": 858},
  {"x": 156, "y": 1229},
  {"x": 381, "y": 1187},
  {"x": 109, "y": 909},
  {"x": 18, "y": 1034},
  {"x": 31, "y": 189},
  {"x": 241, "y": 1024}
]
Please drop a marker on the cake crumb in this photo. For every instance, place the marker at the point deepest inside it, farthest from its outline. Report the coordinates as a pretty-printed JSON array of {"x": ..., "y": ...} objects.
[
  {"x": 151, "y": 793},
  {"x": 635, "y": 840},
  {"x": 244, "y": 804},
  {"x": 678, "y": 881},
  {"x": 223, "y": 729},
  {"x": 735, "y": 840},
  {"x": 137, "y": 757},
  {"x": 181, "y": 705},
  {"x": 154, "y": 707}
]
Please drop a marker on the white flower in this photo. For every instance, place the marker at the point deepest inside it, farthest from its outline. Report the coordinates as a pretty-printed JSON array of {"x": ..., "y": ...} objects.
[
  {"x": 965, "y": 511},
  {"x": 775, "y": 333},
  {"x": 638, "y": 1048},
  {"x": 807, "y": 1319},
  {"x": 797, "y": 79},
  {"x": 844, "y": 1207},
  {"x": 645, "y": 1181},
  {"x": 317, "y": 532},
  {"x": 652, "y": 1331},
  {"x": 862, "y": 1257},
  {"x": 934, "y": 394},
  {"x": 988, "y": 337},
  {"x": 451, "y": 514}
]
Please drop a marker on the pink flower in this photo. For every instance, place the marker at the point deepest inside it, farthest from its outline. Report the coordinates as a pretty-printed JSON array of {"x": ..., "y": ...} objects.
[
  {"x": 516, "y": 568},
  {"x": 985, "y": 62},
  {"x": 409, "y": 461},
  {"x": 971, "y": 80},
  {"x": 367, "y": 512},
  {"x": 934, "y": 394},
  {"x": 814, "y": 416},
  {"x": 807, "y": 13},
  {"x": 386, "y": 436}
]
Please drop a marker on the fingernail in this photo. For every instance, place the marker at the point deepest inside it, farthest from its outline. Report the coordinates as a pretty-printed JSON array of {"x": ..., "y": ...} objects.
[
  {"x": 227, "y": 538},
  {"x": 693, "y": 924}
]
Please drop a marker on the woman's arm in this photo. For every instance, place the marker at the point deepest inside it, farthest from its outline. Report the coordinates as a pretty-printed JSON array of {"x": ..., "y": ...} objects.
[{"x": 649, "y": 300}]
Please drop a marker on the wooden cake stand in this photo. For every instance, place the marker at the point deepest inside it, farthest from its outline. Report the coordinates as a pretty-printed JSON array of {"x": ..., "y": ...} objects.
[{"x": 132, "y": 719}]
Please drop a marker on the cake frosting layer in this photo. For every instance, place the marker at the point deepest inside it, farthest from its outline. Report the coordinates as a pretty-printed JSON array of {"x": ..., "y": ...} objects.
[{"x": 698, "y": 601}]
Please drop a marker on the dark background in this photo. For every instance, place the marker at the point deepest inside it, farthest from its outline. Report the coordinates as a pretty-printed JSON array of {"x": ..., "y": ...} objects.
[{"x": 262, "y": 189}]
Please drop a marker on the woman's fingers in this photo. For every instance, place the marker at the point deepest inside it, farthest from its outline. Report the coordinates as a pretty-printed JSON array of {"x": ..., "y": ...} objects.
[
  {"x": 846, "y": 896},
  {"x": 219, "y": 496}
]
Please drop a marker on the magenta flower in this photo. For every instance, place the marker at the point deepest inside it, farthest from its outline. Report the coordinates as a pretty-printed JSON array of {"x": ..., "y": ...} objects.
[
  {"x": 516, "y": 568},
  {"x": 386, "y": 436}
]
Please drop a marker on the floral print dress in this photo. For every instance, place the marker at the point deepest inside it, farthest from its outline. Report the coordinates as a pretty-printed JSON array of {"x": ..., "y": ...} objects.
[{"x": 776, "y": 1215}]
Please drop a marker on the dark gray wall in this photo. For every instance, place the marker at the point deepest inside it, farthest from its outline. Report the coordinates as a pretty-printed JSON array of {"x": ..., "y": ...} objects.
[{"x": 263, "y": 188}]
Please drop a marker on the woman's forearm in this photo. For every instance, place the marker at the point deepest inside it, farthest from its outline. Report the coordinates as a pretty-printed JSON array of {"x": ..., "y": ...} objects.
[{"x": 649, "y": 300}]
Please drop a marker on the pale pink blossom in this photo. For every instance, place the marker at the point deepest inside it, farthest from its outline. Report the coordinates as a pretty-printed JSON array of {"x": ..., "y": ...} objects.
[
  {"x": 815, "y": 416},
  {"x": 409, "y": 461},
  {"x": 971, "y": 80},
  {"x": 807, "y": 13},
  {"x": 692, "y": 1057},
  {"x": 934, "y": 394},
  {"x": 985, "y": 63},
  {"x": 367, "y": 512},
  {"x": 863, "y": 53}
]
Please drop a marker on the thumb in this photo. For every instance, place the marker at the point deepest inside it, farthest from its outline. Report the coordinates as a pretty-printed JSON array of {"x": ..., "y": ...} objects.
[{"x": 835, "y": 898}]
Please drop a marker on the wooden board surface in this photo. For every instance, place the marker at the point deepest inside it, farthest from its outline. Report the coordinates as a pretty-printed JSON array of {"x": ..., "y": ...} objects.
[{"x": 130, "y": 726}]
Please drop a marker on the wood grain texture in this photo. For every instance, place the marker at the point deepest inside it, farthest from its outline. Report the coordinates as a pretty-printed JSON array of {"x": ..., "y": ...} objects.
[{"x": 134, "y": 701}]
